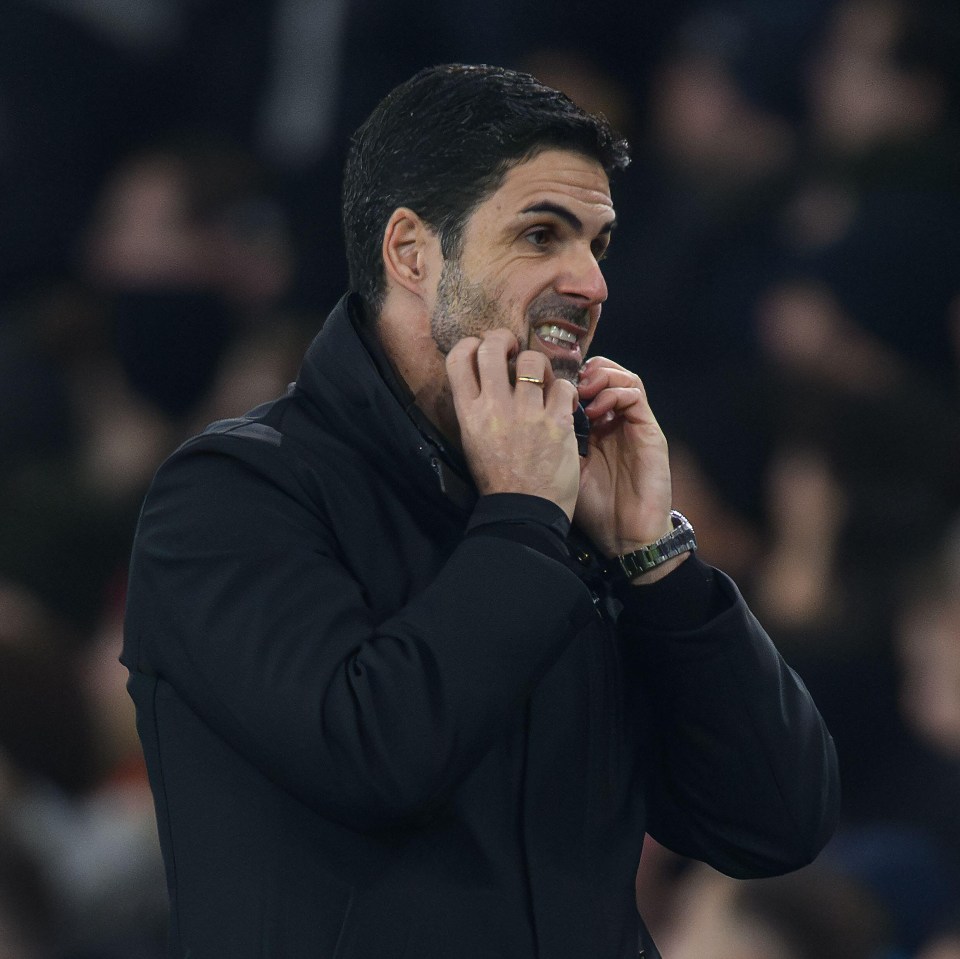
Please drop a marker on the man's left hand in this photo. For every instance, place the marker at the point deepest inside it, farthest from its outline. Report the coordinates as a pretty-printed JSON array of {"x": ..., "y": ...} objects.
[{"x": 625, "y": 491}]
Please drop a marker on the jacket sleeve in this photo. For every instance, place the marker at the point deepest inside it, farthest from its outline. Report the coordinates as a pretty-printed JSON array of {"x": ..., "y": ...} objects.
[
  {"x": 741, "y": 771},
  {"x": 240, "y": 600}
]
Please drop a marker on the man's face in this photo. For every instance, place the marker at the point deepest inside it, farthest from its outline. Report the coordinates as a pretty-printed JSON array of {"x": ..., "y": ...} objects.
[{"x": 530, "y": 261}]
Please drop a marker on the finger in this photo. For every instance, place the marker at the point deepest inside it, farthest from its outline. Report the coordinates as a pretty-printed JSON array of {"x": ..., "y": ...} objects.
[
  {"x": 560, "y": 397},
  {"x": 462, "y": 370},
  {"x": 605, "y": 378},
  {"x": 595, "y": 363},
  {"x": 630, "y": 402},
  {"x": 600, "y": 369},
  {"x": 598, "y": 373},
  {"x": 494, "y": 353},
  {"x": 533, "y": 374}
]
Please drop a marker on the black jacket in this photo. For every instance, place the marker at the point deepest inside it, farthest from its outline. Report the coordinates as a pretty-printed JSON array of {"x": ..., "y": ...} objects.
[{"x": 384, "y": 719}]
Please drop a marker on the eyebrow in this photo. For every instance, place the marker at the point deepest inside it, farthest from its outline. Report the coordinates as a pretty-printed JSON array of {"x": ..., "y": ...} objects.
[{"x": 567, "y": 216}]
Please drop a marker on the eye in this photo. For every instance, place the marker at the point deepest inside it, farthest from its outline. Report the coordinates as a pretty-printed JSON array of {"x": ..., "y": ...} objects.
[
  {"x": 601, "y": 248},
  {"x": 539, "y": 236}
]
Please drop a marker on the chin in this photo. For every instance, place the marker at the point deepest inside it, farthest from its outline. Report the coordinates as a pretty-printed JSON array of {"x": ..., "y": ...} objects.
[{"x": 566, "y": 370}]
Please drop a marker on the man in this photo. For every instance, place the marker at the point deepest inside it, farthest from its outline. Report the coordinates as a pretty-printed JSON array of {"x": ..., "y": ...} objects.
[{"x": 393, "y": 703}]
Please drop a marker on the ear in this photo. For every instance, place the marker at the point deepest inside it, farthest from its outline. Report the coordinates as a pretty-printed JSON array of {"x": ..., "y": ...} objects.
[{"x": 407, "y": 246}]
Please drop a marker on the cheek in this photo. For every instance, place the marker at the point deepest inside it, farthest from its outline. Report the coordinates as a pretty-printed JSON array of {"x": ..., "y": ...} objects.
[
  {"x": 528, "y": 289},
  {"x": 587, "y": 341}
]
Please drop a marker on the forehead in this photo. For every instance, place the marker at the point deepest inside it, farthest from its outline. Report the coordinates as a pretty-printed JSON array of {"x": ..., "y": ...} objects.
[{"x": 558, "y": 176}]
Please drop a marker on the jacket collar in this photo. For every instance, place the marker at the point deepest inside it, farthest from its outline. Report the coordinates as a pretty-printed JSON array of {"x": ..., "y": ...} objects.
[{"x": 348, "y": 377}]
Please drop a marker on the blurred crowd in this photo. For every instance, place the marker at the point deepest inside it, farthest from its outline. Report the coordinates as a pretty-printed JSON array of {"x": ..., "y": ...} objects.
[{"x": 785, "y": 277}]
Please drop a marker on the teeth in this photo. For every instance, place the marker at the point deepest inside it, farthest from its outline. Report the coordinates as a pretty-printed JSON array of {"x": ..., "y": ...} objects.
[{"x": 550, "y": 331}]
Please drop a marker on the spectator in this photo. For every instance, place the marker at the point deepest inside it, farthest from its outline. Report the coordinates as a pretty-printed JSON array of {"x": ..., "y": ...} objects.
[{"x": 810, "y": 914}]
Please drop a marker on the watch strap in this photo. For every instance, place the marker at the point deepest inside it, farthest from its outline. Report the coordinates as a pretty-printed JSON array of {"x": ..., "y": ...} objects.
[{"x": 681, "y": 539}]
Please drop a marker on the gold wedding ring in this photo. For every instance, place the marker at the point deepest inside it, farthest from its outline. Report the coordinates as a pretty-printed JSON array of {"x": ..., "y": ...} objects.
[{"x": 530, "y": 379}]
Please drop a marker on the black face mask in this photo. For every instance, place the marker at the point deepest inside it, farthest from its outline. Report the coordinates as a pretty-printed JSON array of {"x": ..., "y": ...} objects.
[{"x": 170, "y": 342}]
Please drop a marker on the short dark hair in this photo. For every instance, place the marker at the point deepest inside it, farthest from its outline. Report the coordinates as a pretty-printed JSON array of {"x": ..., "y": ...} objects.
[{"x": 441, "y": 143}]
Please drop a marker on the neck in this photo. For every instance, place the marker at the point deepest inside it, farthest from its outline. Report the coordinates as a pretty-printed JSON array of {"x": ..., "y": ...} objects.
[{"x": 410, "y": 348}]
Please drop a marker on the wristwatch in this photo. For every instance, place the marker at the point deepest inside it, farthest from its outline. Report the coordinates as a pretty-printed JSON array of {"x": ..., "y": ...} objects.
[{"x": 681, "y": 539}]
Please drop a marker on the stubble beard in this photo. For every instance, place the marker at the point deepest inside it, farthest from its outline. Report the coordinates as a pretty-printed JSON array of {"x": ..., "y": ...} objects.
[{"x": 469, "y": 309}]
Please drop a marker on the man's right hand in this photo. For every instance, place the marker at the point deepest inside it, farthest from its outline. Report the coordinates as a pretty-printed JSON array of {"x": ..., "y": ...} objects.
[{"x": 517, "y": 437}]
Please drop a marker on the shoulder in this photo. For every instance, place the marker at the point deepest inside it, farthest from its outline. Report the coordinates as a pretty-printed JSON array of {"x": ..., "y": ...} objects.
[{"x": 243, "y": 472}]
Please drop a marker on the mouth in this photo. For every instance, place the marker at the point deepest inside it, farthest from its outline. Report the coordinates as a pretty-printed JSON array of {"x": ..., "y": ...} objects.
[{"x": 560, "y": 341}]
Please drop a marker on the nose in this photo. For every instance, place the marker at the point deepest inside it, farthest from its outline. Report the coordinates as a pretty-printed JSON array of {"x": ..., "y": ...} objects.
[{"x": 582, "y": 277}]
